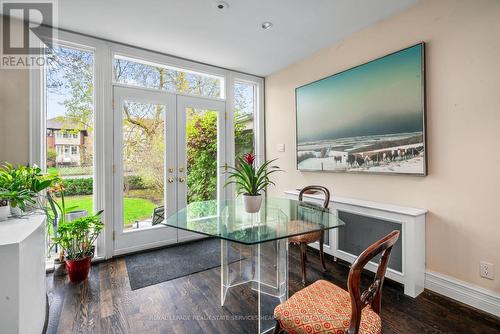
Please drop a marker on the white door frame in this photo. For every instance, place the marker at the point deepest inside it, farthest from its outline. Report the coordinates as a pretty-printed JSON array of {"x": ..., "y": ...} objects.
[
  {"x": 103, "y": 89},
  {"x": 175, "y": 167},
  {"x": 156, "y": 236}
]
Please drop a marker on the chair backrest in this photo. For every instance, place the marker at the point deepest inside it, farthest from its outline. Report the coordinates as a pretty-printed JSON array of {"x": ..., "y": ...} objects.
[
  {"x": 373, "y": 294},
  {"x": 158, "y": 215},
  {"x": 322, "y": 189}
]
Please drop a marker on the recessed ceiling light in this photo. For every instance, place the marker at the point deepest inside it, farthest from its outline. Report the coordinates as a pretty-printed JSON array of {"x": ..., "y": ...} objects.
[
  {"x": 221, "y": 5},
  {"x": 266, "y": 25}
]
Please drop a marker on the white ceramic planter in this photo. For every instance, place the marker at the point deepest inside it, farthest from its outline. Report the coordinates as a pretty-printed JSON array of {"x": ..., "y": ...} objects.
[
  {"x": 76, "y": 214},
  {"x": 16, "y": 212},
  {"x": 252, "y": 203},
  {"x": 4, "y": 212}
]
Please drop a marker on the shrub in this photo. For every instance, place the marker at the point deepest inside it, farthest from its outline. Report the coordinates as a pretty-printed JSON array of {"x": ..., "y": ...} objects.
[
  {"x": 73, "y": 187},
  {"x": 135, "y": 182},
  {"x": 51, "y": 157},
  {"x": 84, "y": 186}
]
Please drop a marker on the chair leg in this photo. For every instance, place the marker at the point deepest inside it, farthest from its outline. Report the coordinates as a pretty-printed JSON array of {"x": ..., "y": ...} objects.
[
  {"x": 321, "y": 253},
  {"x": 303, "y": 247},
  {"x": 277, "y": 328}
]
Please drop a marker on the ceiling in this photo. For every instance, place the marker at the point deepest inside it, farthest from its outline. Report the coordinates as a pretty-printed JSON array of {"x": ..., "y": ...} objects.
[{"x": 232, "y": 37}]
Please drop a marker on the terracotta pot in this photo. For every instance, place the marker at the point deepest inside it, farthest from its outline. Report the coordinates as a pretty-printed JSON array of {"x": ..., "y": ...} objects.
[
  {"x": 78, "y": 270},
  {"x": 252, "y": 203}
]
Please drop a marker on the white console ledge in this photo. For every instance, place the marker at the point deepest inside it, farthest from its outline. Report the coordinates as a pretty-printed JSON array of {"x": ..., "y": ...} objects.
[
  {"x": 403, "y": 210},
  {"x": 22, "y": 278}
]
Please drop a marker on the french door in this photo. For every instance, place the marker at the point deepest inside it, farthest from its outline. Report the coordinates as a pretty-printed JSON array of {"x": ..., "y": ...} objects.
[{"x": 168, "y": 151}]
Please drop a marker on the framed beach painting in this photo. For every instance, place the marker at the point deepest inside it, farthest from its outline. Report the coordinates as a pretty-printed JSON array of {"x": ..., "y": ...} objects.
[{"x": 367, "y": 119}]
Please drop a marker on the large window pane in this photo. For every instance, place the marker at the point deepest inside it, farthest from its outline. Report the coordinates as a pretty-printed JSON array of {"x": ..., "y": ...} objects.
[
  {"x": 201, "y": 148},
  {"x": 244, "y": 111},
  {"x": 143, "y": 164},
  {"x": 70, "y": 124},
  {"x": 156, "y": 76}
]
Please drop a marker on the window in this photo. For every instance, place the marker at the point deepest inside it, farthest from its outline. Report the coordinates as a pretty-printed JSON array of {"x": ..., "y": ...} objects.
[
  {"x": 149, "y": 75},
  {"x": 244, "y": 114},
  {"x": 72, "y": 129},
  {"x": 70, "y": 106}
]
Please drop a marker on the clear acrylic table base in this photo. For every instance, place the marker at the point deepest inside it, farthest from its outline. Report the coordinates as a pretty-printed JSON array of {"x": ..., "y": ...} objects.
[{"x": 263, "y": 268}]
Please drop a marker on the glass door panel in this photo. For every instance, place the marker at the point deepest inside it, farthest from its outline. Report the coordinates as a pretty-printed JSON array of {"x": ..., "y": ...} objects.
[
  {"x": 144, "y": 163},
  {"x": 201, "y": 150},
  {"x": 201, "y": 155},
  {"x": 143, "y": 147}
]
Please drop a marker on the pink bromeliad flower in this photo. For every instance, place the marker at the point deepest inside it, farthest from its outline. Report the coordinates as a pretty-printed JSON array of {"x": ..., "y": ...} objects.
[{"x": 249, "y": 158}]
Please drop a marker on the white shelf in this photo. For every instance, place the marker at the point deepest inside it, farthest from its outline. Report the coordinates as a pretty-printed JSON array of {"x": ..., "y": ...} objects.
[{"x": 402, "y": 210}]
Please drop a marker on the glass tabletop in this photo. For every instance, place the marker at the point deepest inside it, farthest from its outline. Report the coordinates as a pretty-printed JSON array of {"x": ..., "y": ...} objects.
[{"x": 278, "y": 218}]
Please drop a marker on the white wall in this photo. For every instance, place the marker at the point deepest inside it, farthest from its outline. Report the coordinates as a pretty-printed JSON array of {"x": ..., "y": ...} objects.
[{"x": 14, "y": 119}]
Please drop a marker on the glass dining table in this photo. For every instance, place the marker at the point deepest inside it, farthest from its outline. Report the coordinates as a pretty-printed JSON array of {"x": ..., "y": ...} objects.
[{"x": 254, "y": 246}]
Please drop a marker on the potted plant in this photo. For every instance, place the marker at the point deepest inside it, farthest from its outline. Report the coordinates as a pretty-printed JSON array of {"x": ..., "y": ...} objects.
[
  {"x": 251, "y": 181},
  {"x": 57, "y": 213},
  {"x": 13, "y": 199},
  {"x": 76, "y": 239},
  {"x": 22, "y": 185}
]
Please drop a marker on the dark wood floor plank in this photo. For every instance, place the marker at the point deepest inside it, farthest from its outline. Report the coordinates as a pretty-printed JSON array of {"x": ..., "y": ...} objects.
[{"x": 106, "y": 304}]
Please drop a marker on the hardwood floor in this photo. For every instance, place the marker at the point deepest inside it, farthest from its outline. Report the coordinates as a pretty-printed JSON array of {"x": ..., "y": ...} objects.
[{"x": 106, "y": 304}]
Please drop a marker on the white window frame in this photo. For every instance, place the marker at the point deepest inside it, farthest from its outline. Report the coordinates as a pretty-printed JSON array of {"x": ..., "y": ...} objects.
[
  {"x": 38, "y": 114},
  {"x": 104, "y": 52}
]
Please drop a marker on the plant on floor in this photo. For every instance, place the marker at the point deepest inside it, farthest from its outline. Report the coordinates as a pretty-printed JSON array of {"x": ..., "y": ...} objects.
[
  {"x": 76, "y": 239},
  {"x": 58, "y": 190}
]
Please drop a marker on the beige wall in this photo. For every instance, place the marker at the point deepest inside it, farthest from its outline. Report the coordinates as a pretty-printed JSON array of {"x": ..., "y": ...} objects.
[
  {"x": 14, "y": 117},
  {"x": 462, "y": 190}
]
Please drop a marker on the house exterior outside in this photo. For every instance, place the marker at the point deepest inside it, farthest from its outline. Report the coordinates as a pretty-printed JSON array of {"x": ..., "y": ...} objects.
[{"x": 67, "y": 141}]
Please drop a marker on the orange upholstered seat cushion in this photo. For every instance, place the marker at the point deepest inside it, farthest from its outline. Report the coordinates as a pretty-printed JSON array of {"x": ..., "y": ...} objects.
[
  {"x": 323, "y": 307},
  {"x": 297, "y": 226}
]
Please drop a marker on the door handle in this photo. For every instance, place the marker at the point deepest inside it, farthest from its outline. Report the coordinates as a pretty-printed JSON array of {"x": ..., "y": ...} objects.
[
  {"x": 170, "y": 180},
  {"x": 182, "y": 179}
]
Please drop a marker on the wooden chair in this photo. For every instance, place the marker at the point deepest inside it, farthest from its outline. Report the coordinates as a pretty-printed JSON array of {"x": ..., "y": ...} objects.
[
  {"x": 304, "y": 239},
  {"x": 323, "y": 307}
]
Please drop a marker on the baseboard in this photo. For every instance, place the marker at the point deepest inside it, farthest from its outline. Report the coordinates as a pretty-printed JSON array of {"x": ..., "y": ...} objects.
[{"x": 480, "y": 298}]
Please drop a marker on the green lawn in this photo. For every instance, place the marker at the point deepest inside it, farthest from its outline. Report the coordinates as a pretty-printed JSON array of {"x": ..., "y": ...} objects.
[{"x": 135, "y": 208}]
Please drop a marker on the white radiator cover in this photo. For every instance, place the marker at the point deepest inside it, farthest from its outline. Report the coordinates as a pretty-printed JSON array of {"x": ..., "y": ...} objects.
[{"x": 412, "y": 221}]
